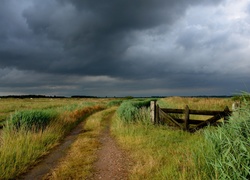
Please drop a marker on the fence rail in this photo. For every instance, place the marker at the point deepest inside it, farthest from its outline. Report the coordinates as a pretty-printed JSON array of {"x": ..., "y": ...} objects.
[{"x": 164, "y": 115}]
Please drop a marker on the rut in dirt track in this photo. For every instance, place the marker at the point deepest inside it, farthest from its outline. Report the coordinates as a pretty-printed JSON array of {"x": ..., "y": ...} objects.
[{"x": 50, "y": 161}]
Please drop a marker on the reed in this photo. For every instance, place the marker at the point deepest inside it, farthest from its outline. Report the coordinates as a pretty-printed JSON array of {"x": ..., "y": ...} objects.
[
  {"x": 228, "y": 148},
  {"x": 36, "y": 119},
  {"x": 129, "y": 109}
]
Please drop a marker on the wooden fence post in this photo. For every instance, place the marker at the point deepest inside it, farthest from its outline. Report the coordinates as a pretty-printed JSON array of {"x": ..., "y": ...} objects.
[
  {"x": 186, "y": 118},
  {"x": 226, "y": 114},
  {"x": 153, "y": 111},
  {"x": 236, "y": 105},
  {"x": 157, "y": 117}
]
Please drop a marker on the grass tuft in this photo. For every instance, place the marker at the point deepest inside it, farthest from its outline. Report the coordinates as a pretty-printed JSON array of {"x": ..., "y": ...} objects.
[
  {"x": 128, "y": 110},
  {"x": 36, "y": 119}
]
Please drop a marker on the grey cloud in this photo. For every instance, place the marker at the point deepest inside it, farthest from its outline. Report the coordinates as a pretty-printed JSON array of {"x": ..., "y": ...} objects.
[
  {"x": 60, "y": 41},
  {"x": 95, "y": 34}
]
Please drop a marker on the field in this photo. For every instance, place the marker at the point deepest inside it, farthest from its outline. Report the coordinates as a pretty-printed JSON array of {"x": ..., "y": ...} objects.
[
  {"x": 155, "y": 151},
  {"x": 10, "y": 105},
  {"x": 162, "y": 152},
  {"x": 23, "y": 141}
]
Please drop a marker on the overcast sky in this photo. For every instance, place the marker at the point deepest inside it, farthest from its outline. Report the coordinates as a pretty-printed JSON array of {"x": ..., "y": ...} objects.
[{"x": 124, "y": 48}]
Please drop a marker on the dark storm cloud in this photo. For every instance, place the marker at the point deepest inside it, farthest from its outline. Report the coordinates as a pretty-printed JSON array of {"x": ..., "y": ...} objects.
[
  {"x": 96, "y": 46},
  {"x": 81, "y": 37}
]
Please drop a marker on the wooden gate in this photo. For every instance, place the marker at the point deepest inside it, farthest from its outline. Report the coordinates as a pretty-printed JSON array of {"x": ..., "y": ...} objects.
[{"x": 165, "y": 115}]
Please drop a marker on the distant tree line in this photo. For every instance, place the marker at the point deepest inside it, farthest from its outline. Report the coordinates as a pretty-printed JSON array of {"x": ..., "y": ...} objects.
[
  {"x": 80, "y": 96},
  {"x": 30, "y": 96},
  {"x": 44, "y": 96},
  {"x": 85, "y": 96}
]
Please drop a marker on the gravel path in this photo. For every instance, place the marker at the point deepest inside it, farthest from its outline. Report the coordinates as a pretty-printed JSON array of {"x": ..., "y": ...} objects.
[{"x": 112, "y": 163}]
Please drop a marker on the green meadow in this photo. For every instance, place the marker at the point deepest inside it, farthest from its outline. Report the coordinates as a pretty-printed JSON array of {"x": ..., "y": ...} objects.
[{"x": 32, "y": 127}]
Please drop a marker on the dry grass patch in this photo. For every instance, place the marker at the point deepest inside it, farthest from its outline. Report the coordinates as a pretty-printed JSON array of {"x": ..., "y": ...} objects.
[
  {"x": 158, "y": 152},
  {"x": 196, "y": 103},
  {"x": 211, "y": 104}
]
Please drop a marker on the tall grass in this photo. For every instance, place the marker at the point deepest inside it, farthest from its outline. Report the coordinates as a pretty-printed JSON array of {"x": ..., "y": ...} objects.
[
  {"x": 128, "y": 110},
  {"x": 37, "y": 119},
  {"x": 228, "y": 148},
  {"x": 20, "y": 149},
  {"x": 157, "y": 152},
  {"x": 162, "y": 153}
]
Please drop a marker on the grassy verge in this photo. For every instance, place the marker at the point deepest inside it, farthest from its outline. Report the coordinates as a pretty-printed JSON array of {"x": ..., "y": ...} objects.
[
  {"x": 158, "y": 152},
  {"x": 162, "y": 153},
  {"x": 79, "y": 160},
  {"x": 21, "y": 148}
]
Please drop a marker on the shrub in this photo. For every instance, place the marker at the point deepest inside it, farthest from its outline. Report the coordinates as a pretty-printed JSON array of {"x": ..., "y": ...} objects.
[{"x": 37, "y": 119}]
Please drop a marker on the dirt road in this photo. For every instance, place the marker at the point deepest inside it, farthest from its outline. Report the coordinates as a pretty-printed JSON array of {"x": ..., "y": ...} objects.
[{"x": 112, "y": 162}]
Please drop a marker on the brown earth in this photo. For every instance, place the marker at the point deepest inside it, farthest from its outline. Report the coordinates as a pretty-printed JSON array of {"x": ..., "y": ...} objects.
[{"x": 112, "y": 162}]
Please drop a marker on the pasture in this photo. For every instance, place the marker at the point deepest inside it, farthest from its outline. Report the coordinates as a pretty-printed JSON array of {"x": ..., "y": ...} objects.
[{"x": 155, "y": 151}]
